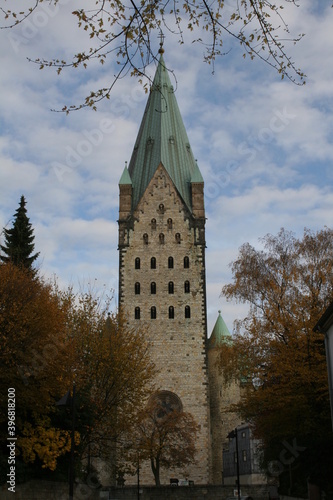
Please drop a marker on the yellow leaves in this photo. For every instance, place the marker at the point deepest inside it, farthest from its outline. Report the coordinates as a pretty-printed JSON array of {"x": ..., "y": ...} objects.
[{"x": 45, "y": 442}]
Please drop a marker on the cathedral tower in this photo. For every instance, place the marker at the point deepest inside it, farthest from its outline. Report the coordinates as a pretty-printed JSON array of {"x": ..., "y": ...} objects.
[{"x": 162, "y": 260}]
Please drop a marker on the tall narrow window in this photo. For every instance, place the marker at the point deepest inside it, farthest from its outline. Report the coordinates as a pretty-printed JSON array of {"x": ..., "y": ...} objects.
[
  {"x": 187, "y": 312},
  {"x": 153, "y": 288},
  {"x": 186, "y": 262},
  {"x": 171, "y": 312},
  {"x": 137, "y": 263},
  {"x": 177, "y": 238},
  {"x": 161, "y": 208},
  {"x": 170, "y": 262},
  {"x": 145, "y": 239},
  {"x": 153, "y": 263},
  {"x": 171, "y": 287},
  {"x": 187, "y": 287},
  {"x": 137, "y": 288},
  {"x": 169, "y": 223},
  {"x": 153, "y": 312},
  {"x": 137, "y": 313},
  {"x": 153, "y": 223},
  {"x": 161, "y": 238}
]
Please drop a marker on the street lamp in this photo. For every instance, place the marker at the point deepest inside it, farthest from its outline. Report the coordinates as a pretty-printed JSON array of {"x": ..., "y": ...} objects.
[
  {"x": 231, "y": 435},
  {"x": 68, "y": 400}
]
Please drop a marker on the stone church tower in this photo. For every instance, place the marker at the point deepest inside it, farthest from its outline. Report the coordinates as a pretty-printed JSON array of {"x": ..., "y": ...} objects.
[{"x": 162, "y": 265}]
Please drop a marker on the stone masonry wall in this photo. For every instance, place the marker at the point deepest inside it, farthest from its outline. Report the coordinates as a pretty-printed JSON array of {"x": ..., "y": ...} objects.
[{"x": 178, "y": 344}]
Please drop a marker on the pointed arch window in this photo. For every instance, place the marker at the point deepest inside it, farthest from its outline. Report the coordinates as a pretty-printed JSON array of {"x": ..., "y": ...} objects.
[
  {"x": 186, "y": 262},
  {"x": 137, "y": 288},
  {"x": 153, "y": 312},
  {"x": 137, "y": 263},
  {"x": 153, "y": 288},
  {"x": 171, "y": 312},
  {"x": 187, "y": 312},
  {"x": 187, "y": 287},
  {"x": 170, "y": 262},
  {"x": 171, "y": 287},
  {"x": 153, "y": 263},
  {"x": 137, "y": 313}
]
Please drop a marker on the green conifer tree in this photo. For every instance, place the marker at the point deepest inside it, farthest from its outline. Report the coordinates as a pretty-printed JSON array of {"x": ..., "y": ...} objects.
[{"x": 19, "y": 240}]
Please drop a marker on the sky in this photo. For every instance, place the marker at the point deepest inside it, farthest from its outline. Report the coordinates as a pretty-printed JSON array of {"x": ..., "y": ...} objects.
[{"x": 264, "y": 146}]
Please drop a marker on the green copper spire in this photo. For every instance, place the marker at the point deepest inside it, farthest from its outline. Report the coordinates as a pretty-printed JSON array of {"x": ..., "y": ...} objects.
[
  {"x": 162, "y": 139},
  {"x": 220, "y": 334}
]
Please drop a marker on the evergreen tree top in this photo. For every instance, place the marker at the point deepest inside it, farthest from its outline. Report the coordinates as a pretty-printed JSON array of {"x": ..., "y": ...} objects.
[{"x": 19, "y": 240}]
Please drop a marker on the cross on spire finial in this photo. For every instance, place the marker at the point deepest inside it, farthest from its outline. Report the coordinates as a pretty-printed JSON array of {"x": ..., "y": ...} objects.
[{"x": 161, "y": 36}]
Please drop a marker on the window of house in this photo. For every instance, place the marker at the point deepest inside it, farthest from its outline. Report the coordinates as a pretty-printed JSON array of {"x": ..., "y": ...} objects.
[
  {"x": 244, "y": 455},
  {"x": 187, "y": 312},
  {"x": 187, "y": 287},
  {"x": 161, "y": 238},
  {"x": 177, "y": 237},
  {"x": 153, "y": 223},
  {"x": 170, "y": 262},
  {"x": 153, "y": 312},
  {"x": 137, "y": 263},
  {"x": 137, "y": 313},
  {"x": 171, "y": 312},
  {"x": 153, "y": 263},
  {"x": 169, "y": 223},
  {"x": 153, "y": 288},
  {"x": 145, "y": 239},
  {"x": 161, "y": 208},
  {"x": 186, "y": 262},
  {"x": 171, "y": 287},
  {"x": 137, "y": 288}
]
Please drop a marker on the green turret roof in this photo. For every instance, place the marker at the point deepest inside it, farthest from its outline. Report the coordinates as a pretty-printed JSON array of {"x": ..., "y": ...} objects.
[
  {"x": 220, "y": 334},
  {"x": 162, "y": 138},
  {"x": 125, "y": 177}
]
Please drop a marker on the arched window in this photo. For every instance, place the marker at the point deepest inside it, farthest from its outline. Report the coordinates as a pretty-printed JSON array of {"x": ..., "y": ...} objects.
[
  {"x": 170, "y": 262},
  {"x": 153, "y": 288},
  {"x": 153, "y": 223},
  {"x": 171, "y": 287},
  {"x": 137, "y": 263},
  {"x": 161, "y": 208},
  {"x": 161, "y": 238},
  {"x": 187, "y": 287},
  {"x": 186, "y": 262},
  {"x": 171, "y": 312},
  {"x": 153, "y": 312},
  {"x": 187, "y": 312},
  {"x": 177, "y": 238},
  {"x": 169, "y": 223},
  {"x": 137, "y": 313},
  {"x": 137, "y": 288},
  {"x": 153, "y": 263},
  {"x": 145, "y": 239}
]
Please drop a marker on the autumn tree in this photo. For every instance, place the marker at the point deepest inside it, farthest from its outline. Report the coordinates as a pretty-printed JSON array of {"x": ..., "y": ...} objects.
[
  {"x": 19, "y": 240},
  {"x": 287, "y": 283},
  {"x": 113, "y": 374},
  {"x": 34, "y": 359},
  {"x": 166, "y": 437},
  {"x": 125, "y": 31}
]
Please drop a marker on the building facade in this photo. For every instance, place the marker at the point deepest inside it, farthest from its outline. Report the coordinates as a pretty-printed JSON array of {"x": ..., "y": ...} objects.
[{"x": 162, "y": 277}]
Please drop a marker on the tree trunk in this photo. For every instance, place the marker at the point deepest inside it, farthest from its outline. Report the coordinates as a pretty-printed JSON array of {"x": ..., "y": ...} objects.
[{"x": 155, "y": 467}]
